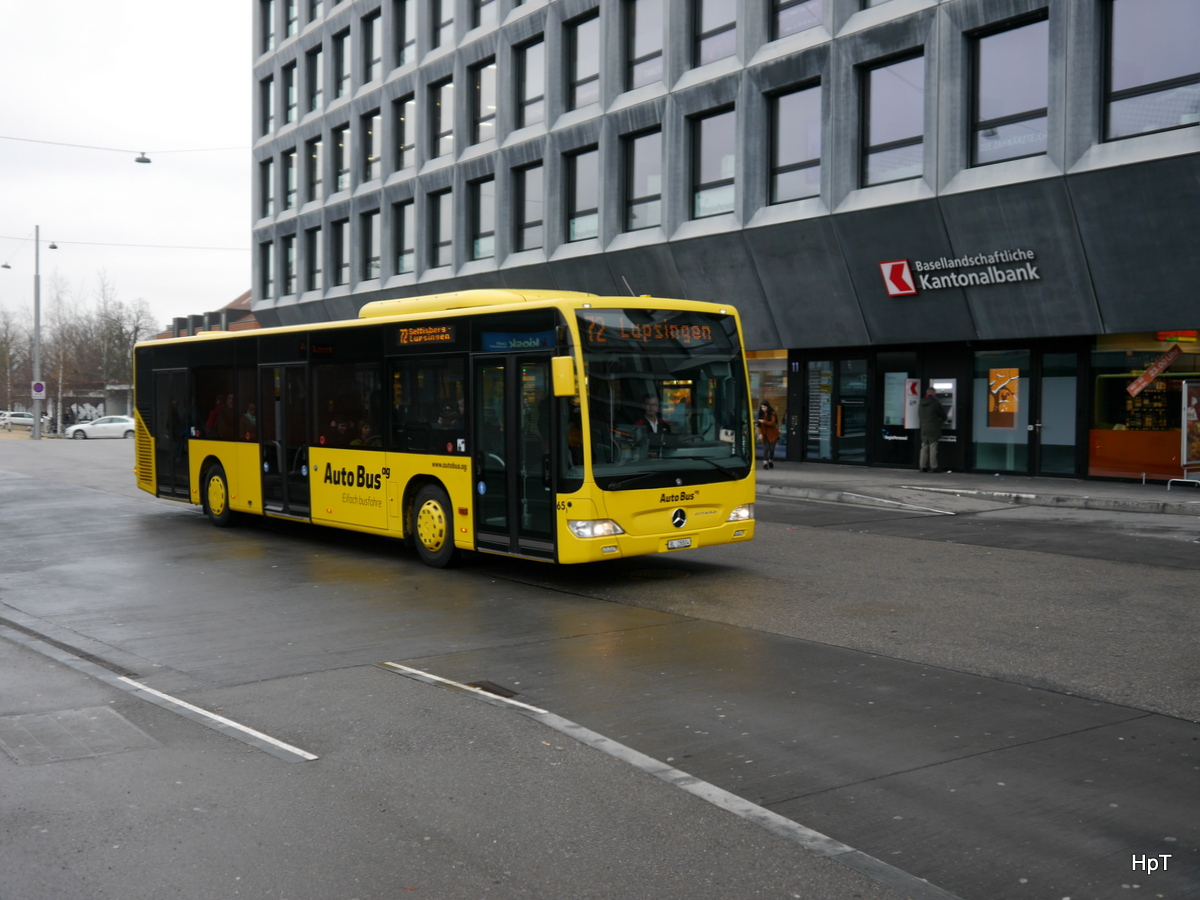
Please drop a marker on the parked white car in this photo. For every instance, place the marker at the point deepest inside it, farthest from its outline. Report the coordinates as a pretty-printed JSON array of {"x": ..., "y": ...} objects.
[
  {"x": 11, "y": 420},
  {"x": 106, "y": 427}
]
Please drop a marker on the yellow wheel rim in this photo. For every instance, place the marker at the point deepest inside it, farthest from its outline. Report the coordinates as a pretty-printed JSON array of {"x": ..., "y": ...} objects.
[
  {"x": 216, "y": 495},
  {"x": 431, "y": 526}
]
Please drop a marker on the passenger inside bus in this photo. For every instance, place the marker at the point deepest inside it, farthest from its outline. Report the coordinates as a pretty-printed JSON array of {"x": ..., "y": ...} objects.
[
  {"x": 366, "y": 436},
  {"x": 249, "y": 424}
]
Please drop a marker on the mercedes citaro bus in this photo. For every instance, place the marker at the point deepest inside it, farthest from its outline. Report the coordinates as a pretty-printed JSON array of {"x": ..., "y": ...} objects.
[{"x": 555, "y": 426}]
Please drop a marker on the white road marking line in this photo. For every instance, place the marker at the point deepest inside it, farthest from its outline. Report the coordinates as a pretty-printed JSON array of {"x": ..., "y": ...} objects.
[
  {"x": 814, "y": 841},
  {"x": 446, "y": 682},
  {"x": 229, "y": 723}
]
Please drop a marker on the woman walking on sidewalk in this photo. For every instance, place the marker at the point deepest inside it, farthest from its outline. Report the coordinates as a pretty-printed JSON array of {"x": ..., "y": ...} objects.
[{"x": 768, "y": 432}]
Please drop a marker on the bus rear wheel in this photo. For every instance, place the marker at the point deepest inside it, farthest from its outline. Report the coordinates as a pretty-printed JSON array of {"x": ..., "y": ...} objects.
[
  {"x": 433, "y": 527},
  {"x": 215, "y": 494}
]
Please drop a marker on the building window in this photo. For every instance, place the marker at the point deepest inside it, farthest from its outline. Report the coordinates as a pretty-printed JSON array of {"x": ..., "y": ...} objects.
[
  {"x": 531, "y": 83},
  {"x": 372, "y": 38},
  {"x": 312, "y": 170},
  {"x": 583, "y": 48},
  {"x": 483, "y": 12},
  {"x": 315, "y": 256},
  {"x": 341, "y": 251},
  {"x": 314, "y": 63},
  {"x": 405, "y": 116},
  {"x": 583, "y": 195},
  {"x": 289, "y": 94},
  {"x": 1012, "y": 72},
  {"x": 288, "y": 244},
  {"x": 714, "y": 163},
  {"x": 293, "y": 17},
  {"x": 796, "y": 145},
  {"x": 483, "y": 113},
  {"x": 289, "y": 180},
  {"x": 441, "y": 229},
  {"x": 894, "y": 113},
  {"x": 794, "y": 16},
  {"x": 266, "y": 187},
  {"x": 266, "y": 93},
  {"x": 406, "y": 32},
  {"x": 643, "y": 42},
  {"x": 266, "y": 10},
  {"x": 372, "y": 145},
  {"x": 530, "y": 207},
  {"x": 316, "y": 9},
  {"x": 341, "y": 158},
  {"x": 715, "y": 30},
  {"x": 369, "y": 242},
  {"x": 1153, "y": 67},
  {"x": 441, "y": 101},
  {"x": 443, "y": 22},
  {"x": 643, "y": 181},
  {"x": 266, "y": 270},
  {"x": 483, "y": 218},
  {"x": 404, "y": 229},
  {"x": 341, "y": 63}
]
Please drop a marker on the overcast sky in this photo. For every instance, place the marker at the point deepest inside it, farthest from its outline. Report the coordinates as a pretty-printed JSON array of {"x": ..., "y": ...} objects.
[{"x": 138, "y": 75}]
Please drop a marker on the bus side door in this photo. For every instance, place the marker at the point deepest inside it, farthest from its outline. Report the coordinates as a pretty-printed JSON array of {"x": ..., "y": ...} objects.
[{"x": 512, "y": 421}]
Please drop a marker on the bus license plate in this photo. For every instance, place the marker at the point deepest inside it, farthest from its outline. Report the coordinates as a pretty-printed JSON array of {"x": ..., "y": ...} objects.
[{"x": 679, "y": 543}]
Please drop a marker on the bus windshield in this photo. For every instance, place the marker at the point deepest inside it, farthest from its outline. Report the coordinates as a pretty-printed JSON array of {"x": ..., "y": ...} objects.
[{"x": 666, "y": 398}]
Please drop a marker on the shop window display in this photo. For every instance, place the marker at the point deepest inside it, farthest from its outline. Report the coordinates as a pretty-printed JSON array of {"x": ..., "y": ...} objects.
[{"x": 1137, "y": 410}]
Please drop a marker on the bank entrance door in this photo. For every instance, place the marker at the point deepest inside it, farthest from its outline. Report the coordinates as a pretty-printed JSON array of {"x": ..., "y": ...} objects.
[
  {"x": 836, "y": 403},
  {"x": 1025, "y": 406}
]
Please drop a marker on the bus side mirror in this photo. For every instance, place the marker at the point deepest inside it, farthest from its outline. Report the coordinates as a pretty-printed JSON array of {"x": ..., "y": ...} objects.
[{"x": 563, "y": 370}]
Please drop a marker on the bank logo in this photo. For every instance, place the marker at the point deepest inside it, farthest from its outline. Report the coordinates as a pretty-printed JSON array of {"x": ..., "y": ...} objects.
[{"x": 897, "y": 278}]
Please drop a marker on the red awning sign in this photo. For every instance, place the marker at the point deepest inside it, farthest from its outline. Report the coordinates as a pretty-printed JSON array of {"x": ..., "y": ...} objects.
[{"x": 1139, "y": 384}]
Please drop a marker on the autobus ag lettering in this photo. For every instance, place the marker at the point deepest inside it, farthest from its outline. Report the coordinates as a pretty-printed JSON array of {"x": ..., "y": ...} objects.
[
  {"x": 677, "y": 498},
  {"x": 357, "y": 477}
]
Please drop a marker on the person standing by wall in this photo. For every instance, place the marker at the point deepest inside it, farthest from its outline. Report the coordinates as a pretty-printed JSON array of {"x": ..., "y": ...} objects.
[
  {"x": 768, "y": 432},
  {"x": 933, "y": 416}
]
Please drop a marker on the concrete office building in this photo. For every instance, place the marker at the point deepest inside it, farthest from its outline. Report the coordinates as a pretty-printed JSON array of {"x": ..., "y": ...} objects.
[{"x": 999, "y": 196}]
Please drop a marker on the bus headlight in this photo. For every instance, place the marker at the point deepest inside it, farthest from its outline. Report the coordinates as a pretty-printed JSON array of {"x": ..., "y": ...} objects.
[
  {"x": 741, "y": 513},
  {"x": 590, "y": 528}
]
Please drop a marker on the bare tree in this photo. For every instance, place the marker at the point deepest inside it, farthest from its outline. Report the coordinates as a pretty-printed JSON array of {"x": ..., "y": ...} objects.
[{"x": 13, "y": 353}]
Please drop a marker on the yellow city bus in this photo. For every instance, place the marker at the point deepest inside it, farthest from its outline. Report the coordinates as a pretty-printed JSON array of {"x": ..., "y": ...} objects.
[{"x": 511, "y": 422}]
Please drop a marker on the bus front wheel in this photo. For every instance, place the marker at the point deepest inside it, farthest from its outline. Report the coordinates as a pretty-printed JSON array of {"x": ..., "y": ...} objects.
[
  {"x": 433, "y": 526},
  {"x": 216, "y": 497}
]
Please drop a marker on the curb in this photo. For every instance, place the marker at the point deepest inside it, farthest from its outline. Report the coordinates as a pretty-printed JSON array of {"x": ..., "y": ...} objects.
[
  {"x": 1107, "y": 504},
  {"x": 1065, "y": 501},
  {"x": 831, "y": 496}
]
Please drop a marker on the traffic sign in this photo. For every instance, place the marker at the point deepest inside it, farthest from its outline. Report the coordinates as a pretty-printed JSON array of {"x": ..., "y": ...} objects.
[{"x": 37, "y": 390}]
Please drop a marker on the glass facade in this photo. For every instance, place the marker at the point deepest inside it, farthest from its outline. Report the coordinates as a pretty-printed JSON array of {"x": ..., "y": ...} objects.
[
  {"x": 1012, "y": 90},
  {"x": 894, "y": 113}
]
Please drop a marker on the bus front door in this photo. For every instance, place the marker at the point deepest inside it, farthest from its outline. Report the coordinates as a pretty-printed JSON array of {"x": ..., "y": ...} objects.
[
  {"x": 284, "y": 448},
  {"x": 512, "y": 421}
]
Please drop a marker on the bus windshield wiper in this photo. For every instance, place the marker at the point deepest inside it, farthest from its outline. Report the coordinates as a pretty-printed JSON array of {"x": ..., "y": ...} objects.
[
  {"x": 728, "y": 472},
  {"x": 620, "y": 482}
]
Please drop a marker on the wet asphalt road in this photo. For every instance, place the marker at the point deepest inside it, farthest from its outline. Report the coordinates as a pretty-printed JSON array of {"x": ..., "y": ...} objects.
[{"x": 1003, "y": 704}]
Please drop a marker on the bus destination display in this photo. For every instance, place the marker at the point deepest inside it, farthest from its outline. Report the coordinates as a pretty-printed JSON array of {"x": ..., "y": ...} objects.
[
  {"x": 426, "y": 334},
  {"x": 613, "y": 327}
]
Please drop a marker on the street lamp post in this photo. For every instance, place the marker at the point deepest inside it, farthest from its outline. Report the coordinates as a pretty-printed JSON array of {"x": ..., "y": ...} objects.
[{"x": 35, "y": 433}]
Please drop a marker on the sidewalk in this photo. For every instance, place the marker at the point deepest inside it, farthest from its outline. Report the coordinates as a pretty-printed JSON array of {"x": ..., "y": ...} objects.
[{"x": 962, "y": 492}]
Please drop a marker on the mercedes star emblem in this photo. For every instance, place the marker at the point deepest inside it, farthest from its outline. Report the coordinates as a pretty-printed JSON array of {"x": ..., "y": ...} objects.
[{"x": 679, "y": 518}]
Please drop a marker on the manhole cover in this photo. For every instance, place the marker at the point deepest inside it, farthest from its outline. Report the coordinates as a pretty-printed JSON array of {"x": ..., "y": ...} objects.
[{"x": 71, "y": 734}]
